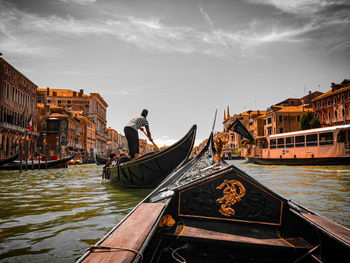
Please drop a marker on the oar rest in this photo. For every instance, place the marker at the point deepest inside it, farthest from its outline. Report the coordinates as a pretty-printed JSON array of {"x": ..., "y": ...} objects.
[
  {"x": 239, "y": 235},
  {"x": 123, "y": 244}
]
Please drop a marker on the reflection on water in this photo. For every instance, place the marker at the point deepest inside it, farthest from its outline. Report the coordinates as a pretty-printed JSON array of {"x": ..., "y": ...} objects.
[{"x": 54, "y": 215}]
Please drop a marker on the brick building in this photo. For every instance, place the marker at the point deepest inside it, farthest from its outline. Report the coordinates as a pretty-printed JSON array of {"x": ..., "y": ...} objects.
[
  {"x": 17, "y": 110},
  {"x": 333, "y": 107}
]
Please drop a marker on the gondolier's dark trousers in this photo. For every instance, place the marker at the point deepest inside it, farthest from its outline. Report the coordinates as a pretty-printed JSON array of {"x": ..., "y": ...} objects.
[{"x": 133, "y": 140}]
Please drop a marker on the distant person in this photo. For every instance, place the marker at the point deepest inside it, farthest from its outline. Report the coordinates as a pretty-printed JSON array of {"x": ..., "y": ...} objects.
[{"x": 131, "y": 132}]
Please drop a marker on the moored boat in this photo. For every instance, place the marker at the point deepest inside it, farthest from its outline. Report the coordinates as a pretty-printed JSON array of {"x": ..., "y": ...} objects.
[
  {"x": 321, "y": 146},
  {"x": 100, "y": 160},
  {"x": 36, "y": 164},
  {"x": 214, "y": 212},
  {"x": 9, "y": 159},
  {"x": 149, "y": 170}
]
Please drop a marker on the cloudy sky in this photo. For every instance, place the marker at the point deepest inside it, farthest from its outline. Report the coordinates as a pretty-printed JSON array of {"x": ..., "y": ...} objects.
[{"x": 181, "y": 59}]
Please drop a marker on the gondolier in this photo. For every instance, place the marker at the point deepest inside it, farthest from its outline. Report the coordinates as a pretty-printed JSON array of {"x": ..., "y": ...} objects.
[{"x": 131, "y": 132}]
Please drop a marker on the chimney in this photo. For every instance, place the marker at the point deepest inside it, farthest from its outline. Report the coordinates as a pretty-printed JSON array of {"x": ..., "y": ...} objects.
[
  {"x": 47, "y": 91},
  {"x": 81, "y": 91},
  {"x": 74, "y": 93},
  {"x": 333, "y": 86},
  {"x": 54, "y": 93}
]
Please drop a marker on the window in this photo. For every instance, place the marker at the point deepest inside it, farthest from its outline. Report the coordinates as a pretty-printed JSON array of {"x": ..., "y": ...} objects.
[
  {"x": 329, "y": 115},
  {"x": 300, "y": 141},
  {"x": 328, "y": 102},
  {"x": 342, "y": 97},
  {"x": 326, "y": 138},
  {"x": 311, "y": 140},
  {"x": 280, "y": 143},
  {"x": 69, "y": 102},
  {"x": 281, "y": 130},
  {"x": 280, "y": 118},
  {"x": 269, "y": 132},
  {"x": 269, "y": 120},
  {"x": 323, "y": 117},
  {"x": 298, "y": 118},
  {"x": 289, "y": 142},
  {"x": 272, "y": 143},
  {"x": 49, "y": 101},
  {"x": 322, "y": 104},
  {"x": 318, "y": 105},
  {"x": 336, "y": 114},
  {"x": 335, "y": 100},
  {"x": 59, "y": 101}
]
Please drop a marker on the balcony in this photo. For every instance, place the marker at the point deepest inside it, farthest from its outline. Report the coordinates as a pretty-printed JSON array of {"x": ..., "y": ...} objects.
[{"x": 15, "y": 128}]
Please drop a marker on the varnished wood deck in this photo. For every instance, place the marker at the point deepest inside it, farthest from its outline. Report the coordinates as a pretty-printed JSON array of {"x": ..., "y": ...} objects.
[{"x": 129, "y": 235}]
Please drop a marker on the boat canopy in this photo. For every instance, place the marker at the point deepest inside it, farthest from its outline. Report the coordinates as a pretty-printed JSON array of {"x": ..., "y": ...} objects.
[{"x": 318, "y": 130}]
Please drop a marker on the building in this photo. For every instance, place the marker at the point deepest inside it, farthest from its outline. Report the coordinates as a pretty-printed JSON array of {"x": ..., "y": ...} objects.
[
  {"x": 92, "y": 105},
  {"x": 256, "y": 122},
  {"x": 61, "y": 133},
  {"x": 97, "y": 110},
  {"x": 333, "y": 107},
  {"x": 112, "y": 141},
  {"x": 234, "y": 139},
  {"x": 18, "y": 112},
  {"x": 87, "y": 135},
  {"x": 280, "y": 119},
  {"x": 122, "y": 143}
]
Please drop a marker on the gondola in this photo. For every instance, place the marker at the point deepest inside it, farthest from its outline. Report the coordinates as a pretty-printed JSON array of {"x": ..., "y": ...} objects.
[
  {"x": 100, "y": 160},
  {"x": 213, "y": 212},
  {"x": 49, "y": 164},
  {"x": 149, "y": 171},
  {"x": 9, "y": 159}
]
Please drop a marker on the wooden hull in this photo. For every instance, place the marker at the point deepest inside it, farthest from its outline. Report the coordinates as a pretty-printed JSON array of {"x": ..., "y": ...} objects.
[
  {"x": 9, "y": 159},
  {"x": 209, "y": 212},
  {"x": 150, "y": 170},
  {"x": 36, "y": 165},
  {"x": 301, "y": 161}
]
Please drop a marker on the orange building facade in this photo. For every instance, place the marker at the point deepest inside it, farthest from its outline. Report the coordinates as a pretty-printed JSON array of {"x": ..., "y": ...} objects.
[
  {"x": 17, "y": 110},
  {"x": 333, "y": 107}
]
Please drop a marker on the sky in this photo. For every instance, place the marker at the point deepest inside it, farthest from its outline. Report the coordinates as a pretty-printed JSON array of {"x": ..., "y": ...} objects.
[{"x": 180, "y": 59}]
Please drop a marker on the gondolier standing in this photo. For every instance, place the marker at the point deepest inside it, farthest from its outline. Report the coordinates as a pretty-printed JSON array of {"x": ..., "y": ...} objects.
[{"x": 131, "y": 132}]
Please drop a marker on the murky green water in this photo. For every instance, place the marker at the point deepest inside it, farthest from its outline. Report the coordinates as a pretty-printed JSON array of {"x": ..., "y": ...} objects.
[{"x": 54, "y": 215}]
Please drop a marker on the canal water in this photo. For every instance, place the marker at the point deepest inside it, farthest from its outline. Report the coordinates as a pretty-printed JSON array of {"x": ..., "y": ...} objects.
[{"x": 55, "y": 215}]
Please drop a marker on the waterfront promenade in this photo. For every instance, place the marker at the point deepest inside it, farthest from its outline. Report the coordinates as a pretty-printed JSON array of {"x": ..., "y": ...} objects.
[{"x": 54, "y": 215}]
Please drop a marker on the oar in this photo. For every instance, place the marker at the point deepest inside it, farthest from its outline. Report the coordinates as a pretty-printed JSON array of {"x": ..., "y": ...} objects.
[{"x": 155, "y": 145}]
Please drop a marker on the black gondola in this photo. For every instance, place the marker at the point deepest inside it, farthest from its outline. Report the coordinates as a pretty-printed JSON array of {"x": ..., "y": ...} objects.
[
  {"x": 36, "y": 165},
  {"x": 9, "y": 159},
  {"x": 100, "y": 160},
  {"x": 214, "y": 212},
  {"x": 150, "y": 170}
]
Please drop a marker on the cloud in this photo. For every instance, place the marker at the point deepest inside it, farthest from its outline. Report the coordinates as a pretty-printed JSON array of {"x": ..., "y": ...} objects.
[
  {"x": 32, "y": 34},
  {"x": 82, "y": 2}
]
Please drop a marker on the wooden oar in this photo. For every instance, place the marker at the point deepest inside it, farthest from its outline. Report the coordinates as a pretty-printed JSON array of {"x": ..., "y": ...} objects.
[{"x": 155, "y": 145}]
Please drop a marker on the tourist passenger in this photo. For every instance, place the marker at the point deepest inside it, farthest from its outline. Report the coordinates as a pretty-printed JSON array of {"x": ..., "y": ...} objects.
[{"x": 131, "y": 132}]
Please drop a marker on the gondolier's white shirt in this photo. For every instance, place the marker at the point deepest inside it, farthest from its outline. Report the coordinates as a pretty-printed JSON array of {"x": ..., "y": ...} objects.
[{"x": 137, "y": 122}]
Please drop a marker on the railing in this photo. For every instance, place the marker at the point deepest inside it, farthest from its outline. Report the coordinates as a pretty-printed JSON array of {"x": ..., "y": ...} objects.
[{"x": 13, "y": 127}]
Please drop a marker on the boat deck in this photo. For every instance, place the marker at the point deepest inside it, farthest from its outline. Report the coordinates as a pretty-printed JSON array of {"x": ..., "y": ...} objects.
[
  {"x": 240, "y": 234},
  {"x": 123, "y": 244}
]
